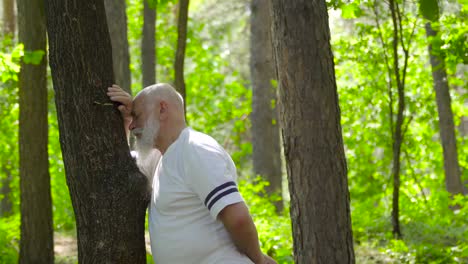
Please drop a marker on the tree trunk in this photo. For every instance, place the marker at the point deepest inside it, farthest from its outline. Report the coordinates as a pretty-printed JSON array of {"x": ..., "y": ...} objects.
[
  {"x": 313, "y": 144},
  {"x": 108, "y": 193},
  {"x": 36, "y": 243},
  {"x": 453, "y": 181},
  {"x": 148, "y": 45},
  {"x": 397, "y": 133},
  {"x": 117, "y": 22},
  {"x": 265, "y": 132},
  {"x": 9, "y": 18},
  {"x": 181, "y": 43},
  {"x": 6, "y": 207}
]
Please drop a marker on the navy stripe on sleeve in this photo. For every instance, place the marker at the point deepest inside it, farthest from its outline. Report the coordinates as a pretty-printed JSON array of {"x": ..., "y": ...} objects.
[
  {"x": 221, "y": 195},
  {"x": 217, "y": 189}
]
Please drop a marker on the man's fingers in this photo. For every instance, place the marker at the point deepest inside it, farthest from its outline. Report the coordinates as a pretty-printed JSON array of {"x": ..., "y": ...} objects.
[
  {"x": 112, "y": 91},
  {"x": 121, "y": 99},
  {"x": 115, "y": 86}
]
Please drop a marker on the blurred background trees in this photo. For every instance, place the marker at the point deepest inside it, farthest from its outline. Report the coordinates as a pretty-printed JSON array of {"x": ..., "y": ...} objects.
[{"x": 221, "y": 96}]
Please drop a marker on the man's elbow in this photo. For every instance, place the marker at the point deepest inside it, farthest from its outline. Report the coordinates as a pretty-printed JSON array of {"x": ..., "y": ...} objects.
[{"x": 236, "y": 216}]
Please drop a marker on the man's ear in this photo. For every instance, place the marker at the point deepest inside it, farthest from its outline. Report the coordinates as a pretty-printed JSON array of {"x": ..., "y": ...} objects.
[{"x": 163, "y": 110}]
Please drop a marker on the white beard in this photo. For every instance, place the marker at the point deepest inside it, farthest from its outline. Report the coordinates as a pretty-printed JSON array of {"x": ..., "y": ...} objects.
[{"x": 145, "y": 145}]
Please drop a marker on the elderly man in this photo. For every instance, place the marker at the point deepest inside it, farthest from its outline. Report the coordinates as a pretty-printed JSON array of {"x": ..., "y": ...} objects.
[{"x": 196, "y": 213}]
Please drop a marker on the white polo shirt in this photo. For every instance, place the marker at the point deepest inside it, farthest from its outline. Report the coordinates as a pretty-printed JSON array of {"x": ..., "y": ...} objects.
[{"x": 193, "y": 182}]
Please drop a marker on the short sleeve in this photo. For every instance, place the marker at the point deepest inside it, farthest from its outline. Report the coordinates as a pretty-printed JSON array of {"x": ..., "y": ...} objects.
[{"x": 211, "y": 174}]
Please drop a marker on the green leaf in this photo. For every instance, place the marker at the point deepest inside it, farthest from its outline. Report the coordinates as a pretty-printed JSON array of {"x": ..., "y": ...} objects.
[
  {"x": 33, "y": 57},
  {"x": 429, "y": 9},
  {"x": 350, "y": 11},
  {"x": 18, "y": 51}
]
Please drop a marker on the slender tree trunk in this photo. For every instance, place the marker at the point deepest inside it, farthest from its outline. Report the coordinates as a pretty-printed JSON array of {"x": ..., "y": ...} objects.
[
  {"x": 108, "y": 193},
  {"x": 148, "y": 45},
  {"x": 6, "y": 208},
  {"x": 313, "y": 144},
  {"x": 181, "y": 43},
  {"x": 9, "y": 18},
  {"x": 265, "y": 132},
  {"x": 36, "y": 243},
  {"x": 398, "y": 132},
  {"x": 117, "y": 22},
  {"x": 453, "y": 181}
]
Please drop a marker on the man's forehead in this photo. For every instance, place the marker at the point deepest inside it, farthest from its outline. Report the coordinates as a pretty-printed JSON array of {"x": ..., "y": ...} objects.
[{"x": 137, "y": 105}]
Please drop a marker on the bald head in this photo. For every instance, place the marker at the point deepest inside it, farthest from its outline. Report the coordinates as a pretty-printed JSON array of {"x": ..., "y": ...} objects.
[{"x": 161, "y": 91}]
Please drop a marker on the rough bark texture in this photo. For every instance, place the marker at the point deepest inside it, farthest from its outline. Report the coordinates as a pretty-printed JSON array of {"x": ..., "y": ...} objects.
[
  {"x": 181, "y": 43},
  {"x": 148, "y": 45},
  {"x": 117, "y": 22},
  {"x": 265, "y": 131},
  {"x": 453, "y": 181},
  {"x": 108, "y": 193},
  {"x": 313, "y": 144},
  {"x": 9, "y": 17},
  {"x": 36, "y": 243}
]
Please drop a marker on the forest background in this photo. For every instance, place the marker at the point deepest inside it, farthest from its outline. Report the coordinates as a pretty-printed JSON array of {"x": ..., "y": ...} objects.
[{"x": 434, "y": 224}]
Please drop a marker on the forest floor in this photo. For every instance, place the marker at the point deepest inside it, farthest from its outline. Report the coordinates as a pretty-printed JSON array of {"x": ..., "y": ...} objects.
[
  {"x": 65, "y": 248},
  {"x": 66, "y": 251}
]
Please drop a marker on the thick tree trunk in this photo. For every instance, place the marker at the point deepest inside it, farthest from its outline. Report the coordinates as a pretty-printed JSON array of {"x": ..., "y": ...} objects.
[
  {"x": 148, "y": 45},
  {"x": 108, "y": 193},
  {"x": 9, "y": 17},
  {"x": 117, "y": 22},
  {"x": 453, "y": 181},
  {"x": 265, "y": 132},
  {"x": 36, "y": 244},
  {"x": 181, "y": 43},
  {"x": 313, "y": 144}
]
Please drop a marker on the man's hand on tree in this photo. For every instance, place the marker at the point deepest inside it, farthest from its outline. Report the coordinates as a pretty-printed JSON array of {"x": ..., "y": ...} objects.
[{"x": 118, "y": 95}]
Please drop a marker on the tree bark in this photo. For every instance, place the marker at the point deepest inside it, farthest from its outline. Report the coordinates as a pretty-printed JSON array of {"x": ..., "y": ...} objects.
[
  {"x": 9, "y": 18},
  {"x": 181, "y": 43},
  {"x": 36, "y": 243},
  {"x": 397, "y": 133},
  {"x": 108, "y": 193},
  {"x": 453, "y": 181},
  {"x": 313, "y": 144},
  {"x": 6, "y": 207},
  {"x": 117, "y": 22},
  {"x": 265, "y": 132},
  {"x": 148, "y": 45}
]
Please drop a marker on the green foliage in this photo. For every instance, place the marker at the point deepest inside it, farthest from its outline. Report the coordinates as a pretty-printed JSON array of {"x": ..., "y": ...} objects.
[
  {"x": 352, "y": 10},
  {"x": 454, "y": 38},
  {"x": 429, "y": 9},
  {"x": 362, "y": 65},
  {"x": 33, "y": 57},
  {"x": 9, "y": 111},
  {"x": 9, "y": 154},
  {"x": 152, "y": 3},
  {"x": 274, "y": 230},
  {"x": 218, "y": 103},
  {"x": 9, "y": 66},
  {"x": 9, "y": 239}
]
